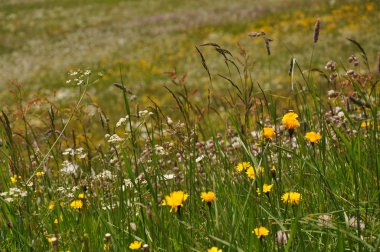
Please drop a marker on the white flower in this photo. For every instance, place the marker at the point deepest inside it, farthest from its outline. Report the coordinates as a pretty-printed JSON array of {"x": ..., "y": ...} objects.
[
  {"x": 255, "y": 134},
  {"x": 169, "y": 120},
  {"x": 69, "y": 168},
  {"x": 236, "y": 145},
  {"x": 353, "y": 222},
  {"x": 106, "y": 174},
  {"x": 121, "y": 121},
  {"x": 341, "y": 114},
  {"x": 68, "y": 151},
  {"x": 159, "y": 150},
  {"x": 87, "y": 72},
  {"x": 74, "y": 188},
  {"x": 14, "y": 191},
  {"x": 199, "y": 159},
  {"x": 8, "y": 199},
  {"x": 169, "y": 176},
  {"x": 61, "y": 189},
  {"x": 128, "y": 182},
  {"x": 115, "y": 139},
  {"x": 143, "y": 112}
]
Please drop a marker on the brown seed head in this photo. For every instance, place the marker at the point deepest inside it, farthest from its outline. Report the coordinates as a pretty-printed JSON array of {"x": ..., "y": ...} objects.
[{"x": 316, "y": 30}]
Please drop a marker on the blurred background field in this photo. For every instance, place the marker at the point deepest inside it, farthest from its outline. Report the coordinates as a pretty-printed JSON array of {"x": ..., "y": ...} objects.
[{"x": 41, "y": 40}]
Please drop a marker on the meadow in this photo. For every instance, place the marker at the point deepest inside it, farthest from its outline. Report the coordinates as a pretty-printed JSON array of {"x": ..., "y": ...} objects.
[{"x": 200, "y": 126}]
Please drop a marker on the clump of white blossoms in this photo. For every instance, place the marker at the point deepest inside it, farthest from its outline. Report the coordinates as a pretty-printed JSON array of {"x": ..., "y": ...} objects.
[
  {"x": 122, "y": 121},
  {"x": 114, "y": 138},
  {"x": 80, "y": 77},
  {"x": 79, "y": 152},
  {"x": 144, "y": 113},
  {"x": 160, "y": 150},
  {"x": 13, "y": 193},
  {"x": 69, "y": 168},
  {"x": 105, "y": 174}
]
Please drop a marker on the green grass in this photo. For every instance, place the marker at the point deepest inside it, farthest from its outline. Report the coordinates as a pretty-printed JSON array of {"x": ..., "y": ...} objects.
[{"x": 194, "y": 132}]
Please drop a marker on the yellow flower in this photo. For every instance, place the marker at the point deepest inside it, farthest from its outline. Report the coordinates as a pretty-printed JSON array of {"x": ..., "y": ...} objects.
[
  {"x": 370, "y": 7},
  {"x": 243, "y": 166},
  {"x": 290, "y": 121},
  {"x": 365, "y": 124},
  {"x": 266, "y": 189},
  {"x": 292, "y": 198},
  {"x": 14, "y": 179},
  {"x": 107, "y": 247},
  {"x": 214, "y": 249},
  {"x": 56, "y": 221},
  {"x": 368, "y": 124},
  {"x": 313, "y": 137},
  {"x": 260, "y": 232},
  {"x": 52, "y": 240},
  {"x": 76, "y": 204},
  {"x": 252, "y": 172},
  {"x": 81, "y": 196},
  {"x": 40, "y": 174},
  {"x": 268, "y": 133},
  {"x": 208, "y": 196},
  {"x": 175, "y": 200},
  {"x": 135, "y": 245}
]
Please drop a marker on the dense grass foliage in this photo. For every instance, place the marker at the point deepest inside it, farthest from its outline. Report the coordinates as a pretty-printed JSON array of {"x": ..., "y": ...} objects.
[{"x": 230, "y": 165}]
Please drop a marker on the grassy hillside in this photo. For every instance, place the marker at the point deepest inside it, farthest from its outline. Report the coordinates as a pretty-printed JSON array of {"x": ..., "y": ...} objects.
[
  {"x": 189, "y": 126},
  {"x": 42, "y": 40}
]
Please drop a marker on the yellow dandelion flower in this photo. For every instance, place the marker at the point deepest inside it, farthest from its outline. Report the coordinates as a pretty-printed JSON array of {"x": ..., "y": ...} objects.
[
  {"x": 243, "y": 166},
  {"x": 253, "y": 171},
  {"x": 365, "y": 124},
  {"x": 135, "y": 245},
  {"x": 107, "y": 247},
  {"x": 290, "y": 121},
  {"x": 291, "y": 198},
  {"x": 313, "y": 137},
  {"x": 208, "y": 196},
  {"x": 15, "y": 178},
  {"x": 266, "y": 189},
  {"x": 40, "y": 174},
  {"x": 76, "y": 204},
  {"x": 214, "y": 249},
  {"x": 81, "y": 196},
  {"x": 268, "y": 133},
  {"x": 260, "y": 232},
  {"x": 175, "y": 200},
  {"x": 51, "y": 205},
  {"x": 56, "y": 221},
  {"x": 368, "y": 125}
]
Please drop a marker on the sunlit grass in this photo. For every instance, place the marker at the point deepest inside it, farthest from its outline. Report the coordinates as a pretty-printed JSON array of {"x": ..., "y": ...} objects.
[{"x": 215, "y": 161}]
